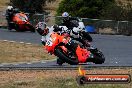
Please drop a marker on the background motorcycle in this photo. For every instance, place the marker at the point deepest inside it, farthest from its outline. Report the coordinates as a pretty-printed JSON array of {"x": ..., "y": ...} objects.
[
  {"x": 21, "y": 22},
  {"x": 78, "y": 28}
]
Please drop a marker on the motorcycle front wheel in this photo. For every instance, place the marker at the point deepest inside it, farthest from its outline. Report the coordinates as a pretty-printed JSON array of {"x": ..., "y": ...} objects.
[
  {"x": 98, "y": 56},
  {"x": 64, "y": 57},
  {"x": 30, "y": 28}
]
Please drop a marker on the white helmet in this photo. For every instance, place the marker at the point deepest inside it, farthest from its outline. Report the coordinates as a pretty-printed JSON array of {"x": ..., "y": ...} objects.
[
  {"x": 65, "y": 14},
  {"x": 9, "y": 7}
]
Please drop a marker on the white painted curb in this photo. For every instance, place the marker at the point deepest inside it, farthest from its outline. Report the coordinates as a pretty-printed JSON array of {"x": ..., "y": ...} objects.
[{"x": 16, "y": 42}]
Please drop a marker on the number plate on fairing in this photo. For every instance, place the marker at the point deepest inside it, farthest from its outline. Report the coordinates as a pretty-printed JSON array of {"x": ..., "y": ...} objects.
[{"x": 49, "y": 42}]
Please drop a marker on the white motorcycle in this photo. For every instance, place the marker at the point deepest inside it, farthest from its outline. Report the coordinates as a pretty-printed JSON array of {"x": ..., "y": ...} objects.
[{"x": 78, "y": 32}]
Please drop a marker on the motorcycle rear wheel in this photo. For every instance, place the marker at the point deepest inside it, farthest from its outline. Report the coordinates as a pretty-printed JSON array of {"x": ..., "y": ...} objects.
[{"x": 59, "y": 61}]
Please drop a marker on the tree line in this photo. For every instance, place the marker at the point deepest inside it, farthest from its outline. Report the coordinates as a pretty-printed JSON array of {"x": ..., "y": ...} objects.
[
  {"x": 100, "y": 9},
  {"x": 30, "y": 5}
]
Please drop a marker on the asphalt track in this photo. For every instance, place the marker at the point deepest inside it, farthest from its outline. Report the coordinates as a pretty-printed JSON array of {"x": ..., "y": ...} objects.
[{"x": 116, "y": 48}]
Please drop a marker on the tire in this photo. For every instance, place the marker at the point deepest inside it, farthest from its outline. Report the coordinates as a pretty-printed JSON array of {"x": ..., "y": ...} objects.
[
  {"x": 59, "y": 53},
  {"x": 59, "y": 61},
  {"x": 32, "y": 29},
  {"x": 17, "y": 28},
  {"x": 9, "y": 28},
  {"x": 98, "y": 60},
  {"x": 98, "y": 57}
]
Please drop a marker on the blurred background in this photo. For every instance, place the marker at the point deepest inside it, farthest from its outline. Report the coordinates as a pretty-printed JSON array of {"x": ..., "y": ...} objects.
[{"x": 104, "y": 16}]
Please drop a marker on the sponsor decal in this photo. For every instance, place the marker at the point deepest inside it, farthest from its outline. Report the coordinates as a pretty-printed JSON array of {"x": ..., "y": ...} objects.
[{"x": 84, "y": 78}]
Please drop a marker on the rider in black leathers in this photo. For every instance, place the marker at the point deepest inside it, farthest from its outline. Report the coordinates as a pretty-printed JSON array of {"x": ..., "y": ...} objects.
[
  {"x": 68, "y": 21},
  {"x": 9, "y": 15},
  {"x": 71, "y": 22}
]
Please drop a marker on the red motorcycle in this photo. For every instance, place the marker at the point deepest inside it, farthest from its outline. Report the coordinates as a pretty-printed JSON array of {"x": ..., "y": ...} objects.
[
  {"x": 20, "y": 22},
  {"x": 57, "y": 45}
]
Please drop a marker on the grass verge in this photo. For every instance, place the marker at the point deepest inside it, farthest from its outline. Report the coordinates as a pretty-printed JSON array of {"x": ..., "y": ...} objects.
[
  {"x": 55, "y": 79},
  {"x": 16, "y": 52},
  {"x": 3, "y": 4}
]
